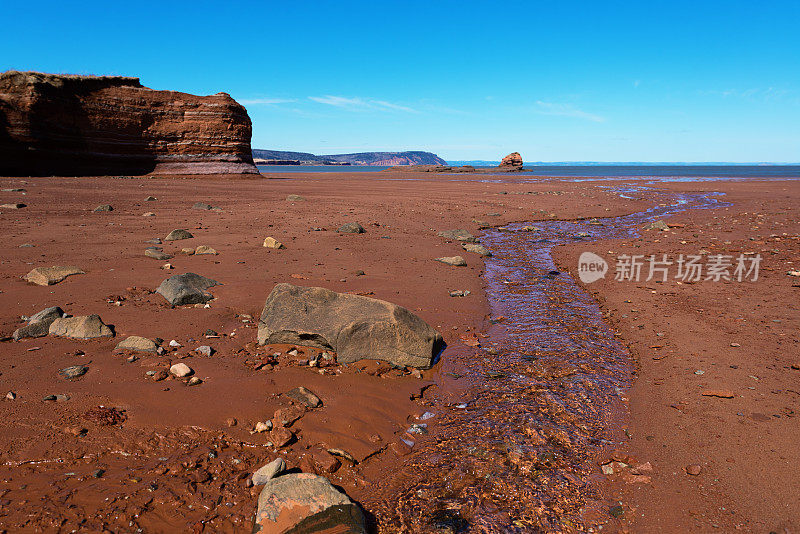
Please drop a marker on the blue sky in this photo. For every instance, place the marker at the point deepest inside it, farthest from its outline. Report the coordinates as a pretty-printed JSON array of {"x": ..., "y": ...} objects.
[{"x": 556, "y": 81}]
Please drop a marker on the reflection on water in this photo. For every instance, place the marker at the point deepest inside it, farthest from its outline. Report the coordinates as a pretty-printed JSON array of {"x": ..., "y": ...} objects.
[{"x": 540, "y": 399}]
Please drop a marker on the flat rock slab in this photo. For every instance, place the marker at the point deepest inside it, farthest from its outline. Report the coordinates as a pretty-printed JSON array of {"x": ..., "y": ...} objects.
[
  {"x": 456, "y": 261},
  {"x": 104, "y": 207},
  {"x": 356, "y": 327},
  {"x": 304, "y": 397},
  {"x": 187, "y": 288},
  {"x": 351, "y": 228},
  {"x": 81, "y": 327},
  {"x": 47, "y": 276},
  {"x": 458, "y": 235},
  {"x": 157, "y": 253},
  {"x": 295, "y": 198},
  {"x": 137, "y": 344},
  {"x": 178, "y": 234},
  {"x": 306, "y": 503}
]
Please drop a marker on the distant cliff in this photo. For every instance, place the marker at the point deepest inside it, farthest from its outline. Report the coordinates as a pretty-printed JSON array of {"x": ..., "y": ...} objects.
[
  {"x": 64, "y": 125},
  {"x": 384, "y": 159}
]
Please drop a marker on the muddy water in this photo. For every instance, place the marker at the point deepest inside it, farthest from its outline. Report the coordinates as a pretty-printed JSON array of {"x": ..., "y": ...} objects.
[{"x": 542, "y": 397}]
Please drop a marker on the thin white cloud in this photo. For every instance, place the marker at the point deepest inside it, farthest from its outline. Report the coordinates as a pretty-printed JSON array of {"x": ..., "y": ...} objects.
[
  {"x": 360, "y": 104},
  {"x": 565, "y": 110},
  {"x": 265, "y": 101}
]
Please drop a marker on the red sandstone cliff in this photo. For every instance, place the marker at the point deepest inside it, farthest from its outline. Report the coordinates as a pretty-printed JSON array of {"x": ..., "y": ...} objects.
[{"x": 88, "y": 125}]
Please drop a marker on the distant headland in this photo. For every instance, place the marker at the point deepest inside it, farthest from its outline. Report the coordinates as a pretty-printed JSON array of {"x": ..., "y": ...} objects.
[{"x": 381, "y": 159}]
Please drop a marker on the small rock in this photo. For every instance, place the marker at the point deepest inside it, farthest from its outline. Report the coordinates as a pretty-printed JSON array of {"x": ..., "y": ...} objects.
[
  {"x": 174, "y": 343},
  {"x": 160, "y": 375},
  {"x": 351, "y": 228},
  {"x": 148, "y": 214},
  {"x": 271, "y": 242},
  {"x": 47, "y": 276},
  {"x": 188, "y": 251},
  {"x": 721, "y": 393},
  {"x": 477, "y": 249},
  {"x": 73, "y": 371},
  {"x": 167, "y": 267},
  {"x": 201, "y": 206},
  {"x": 693, "y": 469},
  {"x": 287, "y": 416},
  {"x": 304, "y": 396},
  {"x": 104, "y": 207},
  {"x": 263, "y": 426},
  {"x": 456, "y": 261},
  {"x": 177, "y": 235},
  {"x": 180, "y": 370},
  {"x": 459, "y": 293},
  {"x": 194, "y": 381},
  {"x": 13, "y": 206},
  {"x": 281, "y": 436},
  {"x": 204, "y": 249},
  {"x": 150, "y": 199},
  {"x": 11, "y": 395},
  {"x": 154, "y": 241},
  {"x": 295, "y": 198},
  {"x": 658, "y": 225},
  {"x": 269, "y": 471},
  {"x": 616, "y": 511},
  {"x": 231, "y": 422},
  {"x": 204, "y": 350},
  {"x": 137, "y": 344}
]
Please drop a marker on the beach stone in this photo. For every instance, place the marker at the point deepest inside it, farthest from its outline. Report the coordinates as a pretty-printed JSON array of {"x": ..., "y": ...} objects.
[
  {"x": 47, "y": 276},
  {"x": 150, "y": 199},
  {"x": 459, "y": 293},
  {"x": 189, "y": 251},
  {"x": 194, "y": 381},
  {"x": 137, "y": 344},
  {"x": 269, "y": 471},
  {"x": 39, "y": 323},
  {"x": 351, "y": 228},
  {"x": 180, "y": 370},
  {"x": 81, "y": 327},
  {"x": 11, "y": 396},
  {"x": 456, "y": 261},
  {"x": 73, "y": 371},
  {"x": 693, "y": 470},
  {"x": 13, "y": 206},
  {"x": 304, "y": 397},
  {"x": 458, "y": 235},
  {"x": 104, "y": 207},
  {"x": 477, "y": 249},
  {"x": 201, "y": 206},
  {"x": 157, "y": 253},
  {"x": 177, "y": 235},
  {"x": 353, "y": 326},
  {"x": 658, "y": 225},
  {"x": 148, "y": 214},
  {"x": 205, "y": 350},
  {"x": 271, "y": 242},
  {"x": 295, "y": 198},
  {"x": 187, "y": 288},
  {"x": 14, "y": 190},
  {"x": 280, "y": 436},
  {"x": 154, "y": 241},
  {"x": 303, "y": 502},
  {"x": 204, "y": 249},
  {"x": 264, "y": 426}
]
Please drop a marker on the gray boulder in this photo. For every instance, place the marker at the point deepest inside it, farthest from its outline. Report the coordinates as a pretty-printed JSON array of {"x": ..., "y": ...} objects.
[
  {"x": 82, "y": 327},
  {"x": 355, "y": 327},
  {"x": 39, "y": 323},
  {"x": 306, "y": 503},
  {"x": 187, "y": 288},
  {"x": 178, "y": 234}
]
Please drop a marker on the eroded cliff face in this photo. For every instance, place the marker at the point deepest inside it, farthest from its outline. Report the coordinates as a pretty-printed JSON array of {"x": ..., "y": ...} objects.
[{"x": 66, "y": 125}]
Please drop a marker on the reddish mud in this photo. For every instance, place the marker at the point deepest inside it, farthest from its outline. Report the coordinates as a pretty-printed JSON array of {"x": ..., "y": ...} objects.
[{"x": 171, "y": 461}]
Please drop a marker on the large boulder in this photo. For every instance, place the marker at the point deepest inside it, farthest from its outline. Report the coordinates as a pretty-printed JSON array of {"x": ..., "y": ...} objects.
[
  {"x": 75, "y": 125},
  {"x": 39, "y": 323},
  {"x": 355, "y": 327},
  {"x": 302, "y": 503},
  {"x": 187, "y": 288},
  {"x": 82, "y": 327}
]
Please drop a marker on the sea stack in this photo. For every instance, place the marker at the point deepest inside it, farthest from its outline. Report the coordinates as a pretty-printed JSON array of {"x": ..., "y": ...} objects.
[
  {"x": 512, "y": 162},
  {"x": 68, "y": 125}
]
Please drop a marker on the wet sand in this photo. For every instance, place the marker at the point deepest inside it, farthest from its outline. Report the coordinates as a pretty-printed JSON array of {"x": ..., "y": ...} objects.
[{"x": 174, "y": 461}]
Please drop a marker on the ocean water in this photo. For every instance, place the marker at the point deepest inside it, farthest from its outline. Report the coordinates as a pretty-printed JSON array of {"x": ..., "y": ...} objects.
[{"x": 673, "y": 172}]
